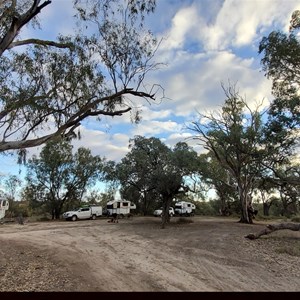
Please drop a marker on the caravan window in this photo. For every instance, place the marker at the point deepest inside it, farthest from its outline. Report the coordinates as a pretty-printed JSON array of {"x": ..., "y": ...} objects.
[
  {"x": 118, "y": 204},
  {"x": 125, "y": 204},
  {"x": 109, "y": 206}
]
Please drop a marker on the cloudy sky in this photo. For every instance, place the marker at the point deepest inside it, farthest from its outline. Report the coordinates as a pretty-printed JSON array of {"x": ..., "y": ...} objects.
[{"x": 205, "y": 43}]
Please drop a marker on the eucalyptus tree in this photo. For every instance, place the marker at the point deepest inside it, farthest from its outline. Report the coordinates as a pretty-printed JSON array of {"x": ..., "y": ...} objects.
[
  {"x": 219, "y": 178},
  {"x": 58, "y": 176},
  {"x": 234, "y": 137},
  {"x": 135, "y": 171},
  {"x": 281, "y": 64},
  {"x": 11, "y": 184},
  {"x": 47, "y": 88},
  {"x": 286, "y": 179},
  {"x": 153, "y": 168}
]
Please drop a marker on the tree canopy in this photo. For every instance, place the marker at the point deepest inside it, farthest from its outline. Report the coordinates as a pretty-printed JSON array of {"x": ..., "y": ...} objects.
[
  {"x": 281, "y": 63},
  {"x": 234, "y": 137},
  {"x": 58, "y": 177},
  {"x": 157, "y": 172},
  {"x": 47, "y": 88}
]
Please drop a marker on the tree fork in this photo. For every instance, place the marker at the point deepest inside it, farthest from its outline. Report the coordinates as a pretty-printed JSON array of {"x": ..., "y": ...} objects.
[{"x": 271, "y": 228}]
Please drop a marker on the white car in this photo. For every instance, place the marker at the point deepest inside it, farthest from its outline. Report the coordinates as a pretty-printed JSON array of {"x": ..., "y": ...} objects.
[{"x": 158, "y": 212}]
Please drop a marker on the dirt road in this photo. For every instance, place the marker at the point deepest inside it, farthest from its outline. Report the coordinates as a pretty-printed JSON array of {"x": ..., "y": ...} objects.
[{"x": 210, "y": 254}]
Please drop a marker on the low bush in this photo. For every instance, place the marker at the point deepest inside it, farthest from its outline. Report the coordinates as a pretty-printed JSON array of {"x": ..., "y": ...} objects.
[
  {"x": 296, "y": 219},
  {"x": 184, "y": 221}
]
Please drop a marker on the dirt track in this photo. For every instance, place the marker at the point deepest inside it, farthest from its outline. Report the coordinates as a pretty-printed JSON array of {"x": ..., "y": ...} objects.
[{"x": 210, "y": 254}]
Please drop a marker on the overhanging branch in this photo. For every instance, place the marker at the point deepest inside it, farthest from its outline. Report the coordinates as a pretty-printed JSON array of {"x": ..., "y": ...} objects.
[{"x": 40, "y": 42}]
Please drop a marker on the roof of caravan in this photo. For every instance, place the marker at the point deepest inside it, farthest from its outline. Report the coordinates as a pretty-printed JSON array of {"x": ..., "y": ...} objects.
[
  {"x": 183, "y": 202},
  {"x": 113, "y": 201}
]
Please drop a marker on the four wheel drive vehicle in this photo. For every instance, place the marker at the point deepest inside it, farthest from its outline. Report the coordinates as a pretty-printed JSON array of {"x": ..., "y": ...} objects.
[
  {"x": 158, "y": 212},
  {"x": 87, "y": 212}
]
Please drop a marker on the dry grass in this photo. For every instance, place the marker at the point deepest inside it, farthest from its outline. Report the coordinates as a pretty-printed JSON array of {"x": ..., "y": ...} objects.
[
  {"x": 293, "y": 250},
  {"x": 184, "y": 221}
]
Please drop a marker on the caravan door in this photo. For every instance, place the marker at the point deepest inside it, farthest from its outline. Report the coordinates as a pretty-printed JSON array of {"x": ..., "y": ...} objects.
[{"x": 4, "y": 205}]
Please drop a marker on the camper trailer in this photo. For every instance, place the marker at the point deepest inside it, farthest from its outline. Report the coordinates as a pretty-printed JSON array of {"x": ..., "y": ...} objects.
[
  {"x": 120, "y": 207},
  {"x": 185, "y": 209},
  {"x": 4, "y": 205}
]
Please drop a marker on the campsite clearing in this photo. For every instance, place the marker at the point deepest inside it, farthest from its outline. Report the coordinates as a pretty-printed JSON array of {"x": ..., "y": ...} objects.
[{"x": 210, "y": 254}]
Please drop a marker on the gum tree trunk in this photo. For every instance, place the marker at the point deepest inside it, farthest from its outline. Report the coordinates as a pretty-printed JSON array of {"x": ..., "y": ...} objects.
[{"x": 165, "y": 214}]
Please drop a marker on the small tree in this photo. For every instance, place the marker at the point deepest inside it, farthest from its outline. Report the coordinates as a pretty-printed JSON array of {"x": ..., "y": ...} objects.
[{"x": 60, "y": 177}]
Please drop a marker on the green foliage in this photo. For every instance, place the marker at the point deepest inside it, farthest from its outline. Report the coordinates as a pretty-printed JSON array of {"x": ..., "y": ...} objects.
[
  {"x": 233, "y": 138},
  {"x": 206, "y": 208},
  {"x": 85, "y": 74},
  {"x": 296, "y": 219},
  {"x": 281, "y": 63},
  {"x": 58, "y": 179},
  {"x": 19, "y": 208},
  {"x": 152, "y": 173}
]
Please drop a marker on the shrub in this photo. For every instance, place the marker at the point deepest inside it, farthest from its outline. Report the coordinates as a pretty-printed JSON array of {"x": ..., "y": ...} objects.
[
  {"x": 291, "y": 250},
  {"x": 184, "y": 221},
  {"x": 296, "y": 219}
]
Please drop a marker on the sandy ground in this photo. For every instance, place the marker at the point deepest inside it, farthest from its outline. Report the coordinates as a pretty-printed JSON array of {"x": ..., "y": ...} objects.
[{"x": 210, "y": 254}]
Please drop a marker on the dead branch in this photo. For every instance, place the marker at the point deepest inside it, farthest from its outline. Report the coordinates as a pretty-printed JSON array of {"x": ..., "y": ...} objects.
[{"x": 271, "y": 228}]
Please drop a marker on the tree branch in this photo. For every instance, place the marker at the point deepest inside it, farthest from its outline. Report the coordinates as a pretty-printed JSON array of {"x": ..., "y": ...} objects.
[
  {"x": 40, "y": 42},
  {"x": 18, "y": 22}
]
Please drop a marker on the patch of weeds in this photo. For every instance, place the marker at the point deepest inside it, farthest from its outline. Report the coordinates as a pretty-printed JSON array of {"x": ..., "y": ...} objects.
[
  {"x": 44, "y": 218},
  {"x": 293, "y": 250},
  {"x": 184, "y": 221},
  {"x": 296, "y": 219}
]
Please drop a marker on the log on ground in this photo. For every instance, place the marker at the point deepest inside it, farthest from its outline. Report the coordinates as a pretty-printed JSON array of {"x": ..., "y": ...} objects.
[{"x": 273, "y": 227}]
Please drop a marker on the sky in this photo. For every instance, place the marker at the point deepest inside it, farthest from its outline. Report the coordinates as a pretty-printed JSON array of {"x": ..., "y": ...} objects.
[{"x": 205, "y": 43}]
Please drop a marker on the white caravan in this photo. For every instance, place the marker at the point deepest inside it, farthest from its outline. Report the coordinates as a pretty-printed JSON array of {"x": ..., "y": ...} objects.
[
  {"x": 184, "y": 208},
  {"x": 4, "y": 205},
  {"x": 120, "y": 207}
]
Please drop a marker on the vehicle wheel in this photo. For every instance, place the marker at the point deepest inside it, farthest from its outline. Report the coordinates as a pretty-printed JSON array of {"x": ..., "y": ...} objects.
[
  {"x": 74, "y": 218},
  {"x": 121, "y": 216},
  {"x": 93, "y": 217}
]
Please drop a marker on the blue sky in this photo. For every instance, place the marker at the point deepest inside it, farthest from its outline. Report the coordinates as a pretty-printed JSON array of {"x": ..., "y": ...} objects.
[{"x": 206, "y": 42}]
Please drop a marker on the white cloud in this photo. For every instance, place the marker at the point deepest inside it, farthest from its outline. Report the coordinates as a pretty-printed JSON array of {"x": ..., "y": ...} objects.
[
  {"x": 111, "y": 146},
  {"x": 195, "y": 82},
  {"x": 181, "y": 27},
  {"x": 200, "y": 50},
  {"x": 239, "y": 23},
  {"x": 154, "y": 127},
  {"x": 56, "y": 18}
]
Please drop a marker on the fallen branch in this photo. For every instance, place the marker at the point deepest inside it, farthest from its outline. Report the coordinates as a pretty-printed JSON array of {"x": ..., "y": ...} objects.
[{"x": 271, "y": 228}]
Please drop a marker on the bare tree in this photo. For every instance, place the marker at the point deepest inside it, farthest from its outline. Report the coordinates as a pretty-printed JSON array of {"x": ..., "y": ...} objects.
[{"x": 233, "y": 136}]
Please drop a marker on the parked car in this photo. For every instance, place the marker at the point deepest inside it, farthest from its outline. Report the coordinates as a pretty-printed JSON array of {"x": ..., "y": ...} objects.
[
  {"x": 158, "y": 212},
  {"x": 87, "y": 212}
]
